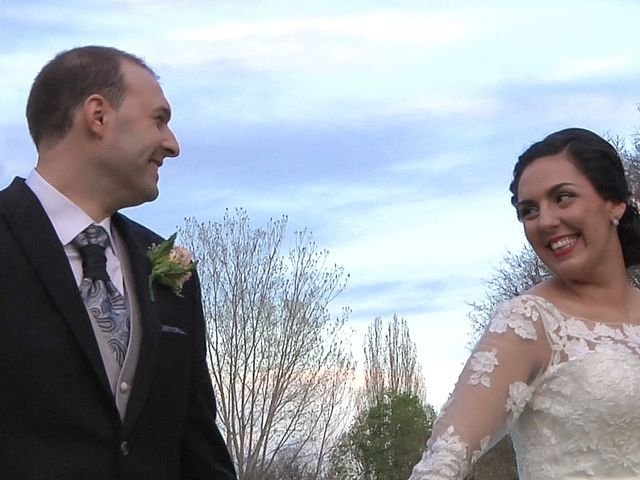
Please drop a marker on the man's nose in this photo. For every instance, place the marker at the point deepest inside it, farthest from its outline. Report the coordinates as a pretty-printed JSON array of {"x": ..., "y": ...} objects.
[{"x": 170, "y": 144}]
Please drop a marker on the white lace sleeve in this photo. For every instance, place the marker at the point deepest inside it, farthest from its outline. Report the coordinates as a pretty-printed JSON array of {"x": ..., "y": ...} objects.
[{"x": 492, "y": 391}]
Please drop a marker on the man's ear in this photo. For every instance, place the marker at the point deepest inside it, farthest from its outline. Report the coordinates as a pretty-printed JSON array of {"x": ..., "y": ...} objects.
[{"x": 95, "y": 113}]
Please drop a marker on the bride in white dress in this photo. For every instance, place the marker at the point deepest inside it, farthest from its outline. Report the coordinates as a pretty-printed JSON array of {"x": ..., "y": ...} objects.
[{"x": 558, "y": 367}]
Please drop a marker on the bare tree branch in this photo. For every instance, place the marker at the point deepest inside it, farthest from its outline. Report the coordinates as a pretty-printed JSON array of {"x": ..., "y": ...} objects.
[
  {"x": 390, "y": 361},
  {"x": 280, "y": 361}
]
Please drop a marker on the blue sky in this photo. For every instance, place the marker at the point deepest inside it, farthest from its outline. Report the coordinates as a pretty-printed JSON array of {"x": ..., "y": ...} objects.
[{"x": 387, "y": 128}]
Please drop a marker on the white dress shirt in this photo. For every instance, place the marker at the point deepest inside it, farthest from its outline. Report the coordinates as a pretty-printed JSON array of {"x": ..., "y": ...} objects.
[{"x": 68, "y": 221}]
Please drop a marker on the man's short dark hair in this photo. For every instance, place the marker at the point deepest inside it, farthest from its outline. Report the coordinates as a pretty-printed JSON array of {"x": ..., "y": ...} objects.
[{"x": 67, "y": 80}]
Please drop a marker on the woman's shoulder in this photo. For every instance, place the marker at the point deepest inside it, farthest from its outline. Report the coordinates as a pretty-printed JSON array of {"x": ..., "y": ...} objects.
[
  {"x": 525, "y": 314},
  {"x": 535, "y": 301},
  {"x": 530, "y": 304}
]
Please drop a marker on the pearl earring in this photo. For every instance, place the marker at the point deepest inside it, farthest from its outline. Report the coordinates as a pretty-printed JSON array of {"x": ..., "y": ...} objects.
[{"x": 615, "y": 222}]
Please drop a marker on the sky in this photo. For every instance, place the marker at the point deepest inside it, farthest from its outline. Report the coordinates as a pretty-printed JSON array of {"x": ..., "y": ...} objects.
[{"x": 389, "y": 129}]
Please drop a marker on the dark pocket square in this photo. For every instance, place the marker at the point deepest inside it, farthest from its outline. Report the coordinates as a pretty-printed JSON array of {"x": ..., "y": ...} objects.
[{"x": 170, "y": 329}]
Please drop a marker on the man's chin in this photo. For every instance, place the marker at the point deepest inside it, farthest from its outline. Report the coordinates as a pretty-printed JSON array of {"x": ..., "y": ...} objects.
[
  {"x": 149, "y": 191},
  {"x": 148, "y": 195},
  {"x": 153, "y": 194}
]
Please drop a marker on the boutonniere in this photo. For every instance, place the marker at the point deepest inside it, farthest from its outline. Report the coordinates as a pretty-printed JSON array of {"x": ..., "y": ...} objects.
[{"x": 171, "y": 266}]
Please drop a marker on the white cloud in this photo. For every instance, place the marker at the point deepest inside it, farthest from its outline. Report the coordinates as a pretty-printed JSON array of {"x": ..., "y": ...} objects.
[
  {"x": 447, "y": 105},
  {"x": 375, "y": 28},
  {"x": 572, "y": 69},
  {"x": 314, "y": 42},
  {"x": 17, "y": 71},
  {"x": 429, "y": 237}
]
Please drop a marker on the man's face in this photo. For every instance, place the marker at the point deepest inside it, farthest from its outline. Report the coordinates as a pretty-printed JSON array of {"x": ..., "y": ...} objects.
[{"x": 138, "y": 140}]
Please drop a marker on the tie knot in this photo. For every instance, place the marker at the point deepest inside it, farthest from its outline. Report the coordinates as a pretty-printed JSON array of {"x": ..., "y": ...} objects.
[
  {"x": 91, "y": 244},
  {"x": 92, "y": 235}
]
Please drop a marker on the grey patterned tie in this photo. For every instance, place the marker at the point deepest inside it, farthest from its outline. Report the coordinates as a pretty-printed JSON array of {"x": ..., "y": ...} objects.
[{"x": 100, "y": 295}]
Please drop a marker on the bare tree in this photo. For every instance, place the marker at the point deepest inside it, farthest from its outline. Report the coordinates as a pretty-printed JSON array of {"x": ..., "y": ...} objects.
[
  {"x": 390, "y": 361},
  {"x": 629, "y": 151},
  {"x": 515, "y": 274},
  {"x": 280, "y": 361}
]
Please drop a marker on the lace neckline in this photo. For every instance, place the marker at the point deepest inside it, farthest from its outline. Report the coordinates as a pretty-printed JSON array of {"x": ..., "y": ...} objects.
[{"x": 557, "y": 310}]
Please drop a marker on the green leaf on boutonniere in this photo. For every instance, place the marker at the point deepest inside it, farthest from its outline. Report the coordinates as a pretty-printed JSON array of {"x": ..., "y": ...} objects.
[{"x": 171, "y": 266}]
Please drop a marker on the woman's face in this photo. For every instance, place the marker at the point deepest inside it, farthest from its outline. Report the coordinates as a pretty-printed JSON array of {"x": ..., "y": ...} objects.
[{"x": 565, "y": 220}]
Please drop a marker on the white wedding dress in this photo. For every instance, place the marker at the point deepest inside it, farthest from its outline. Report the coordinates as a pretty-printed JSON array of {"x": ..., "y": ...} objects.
[{"x": 567, "y": 389}]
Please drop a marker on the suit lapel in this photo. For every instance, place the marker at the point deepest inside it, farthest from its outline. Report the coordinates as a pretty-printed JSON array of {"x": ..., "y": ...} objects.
[
  {"x": 149, "y": 316},
  {"x": 35, "y": 233}
]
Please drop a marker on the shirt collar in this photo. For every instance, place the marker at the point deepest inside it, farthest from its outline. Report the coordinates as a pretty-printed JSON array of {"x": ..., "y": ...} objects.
[{"x": 68, "y": 219}]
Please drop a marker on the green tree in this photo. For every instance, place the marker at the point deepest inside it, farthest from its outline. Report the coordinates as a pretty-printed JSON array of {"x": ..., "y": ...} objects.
[
  {"x": 393, "y": 420},
  {"x": 389, "y": 437}
]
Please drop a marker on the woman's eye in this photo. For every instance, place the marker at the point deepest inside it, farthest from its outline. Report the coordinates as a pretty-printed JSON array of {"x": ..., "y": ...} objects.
[
  {"x": 564, "y": 197},
  {"x": 527, "y": 212}
]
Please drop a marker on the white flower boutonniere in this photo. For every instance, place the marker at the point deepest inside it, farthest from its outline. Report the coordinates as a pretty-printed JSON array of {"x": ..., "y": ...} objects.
[{"x": 170, "y": 266}]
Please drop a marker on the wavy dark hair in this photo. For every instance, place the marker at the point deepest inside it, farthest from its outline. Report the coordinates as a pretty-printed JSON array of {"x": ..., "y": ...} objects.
[
  {"x": 67, "y": 80},
  {"x": 599, "y": 161}
]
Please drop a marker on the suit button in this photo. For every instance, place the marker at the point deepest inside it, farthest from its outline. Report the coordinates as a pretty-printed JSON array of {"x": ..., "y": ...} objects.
[
  {"x": 124, "y": 448},
  {"x": 124, "y": 387}
]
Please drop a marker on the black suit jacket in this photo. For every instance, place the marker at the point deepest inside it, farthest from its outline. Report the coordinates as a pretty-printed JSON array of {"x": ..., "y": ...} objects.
[{"x": 58, "y": 419}]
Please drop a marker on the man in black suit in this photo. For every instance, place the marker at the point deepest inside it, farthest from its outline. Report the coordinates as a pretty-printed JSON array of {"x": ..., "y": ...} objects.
[{"x": 78, "y": 401}]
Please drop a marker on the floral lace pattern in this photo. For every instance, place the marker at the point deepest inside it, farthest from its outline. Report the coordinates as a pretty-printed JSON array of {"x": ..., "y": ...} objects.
[
  {"x": 575, "y": 339},
  {"x": 446, "y": 458},
  {"x": 522, "y": 322},
  {"x": 519, "y": 395},
  {"x": 482, "y": 364},
  {"x": 573, "y": 415}
]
